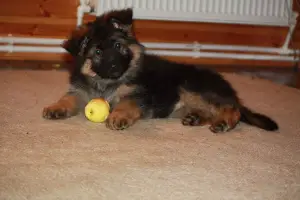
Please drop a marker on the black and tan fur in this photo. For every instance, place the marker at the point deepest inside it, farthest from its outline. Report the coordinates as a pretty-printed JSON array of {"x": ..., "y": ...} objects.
[
  {"x": 139, "y": 86},
  {"x": 83, "y": 86}
]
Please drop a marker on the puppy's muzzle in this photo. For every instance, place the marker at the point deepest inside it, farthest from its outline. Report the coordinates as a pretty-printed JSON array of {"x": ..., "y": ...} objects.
[{"x": 86, "y": 68}]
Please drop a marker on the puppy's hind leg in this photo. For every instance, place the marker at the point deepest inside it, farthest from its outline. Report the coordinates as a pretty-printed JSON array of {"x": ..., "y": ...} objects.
[
  {"x": 195, "y": 118},
  {"x": 226, "y": 119},
  {"x": 197, "y": 111},
  {"x": 200, "y": 112}
]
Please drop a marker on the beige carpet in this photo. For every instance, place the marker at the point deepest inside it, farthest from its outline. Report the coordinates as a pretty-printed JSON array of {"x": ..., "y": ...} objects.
[{"x": 159, "y": 159}]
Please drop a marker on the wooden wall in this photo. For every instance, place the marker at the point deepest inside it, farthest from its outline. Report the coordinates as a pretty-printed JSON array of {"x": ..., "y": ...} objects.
[{"x": 56, "y": 18}]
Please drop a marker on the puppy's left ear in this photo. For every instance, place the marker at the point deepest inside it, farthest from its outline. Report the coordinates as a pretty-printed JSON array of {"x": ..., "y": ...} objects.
[
  {"x": 74, "y": 43},
  {"x": 121, "y": 20},
  {"x": 123, "y": 16}
]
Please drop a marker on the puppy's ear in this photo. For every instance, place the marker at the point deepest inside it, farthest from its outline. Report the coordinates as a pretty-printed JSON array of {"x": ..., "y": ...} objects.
[
  {"x": 121, "y": 20},
  {"x": 123, "y": 16},
  {"x": 74, "y": 43},
  {"x": 117, "y": 24}
]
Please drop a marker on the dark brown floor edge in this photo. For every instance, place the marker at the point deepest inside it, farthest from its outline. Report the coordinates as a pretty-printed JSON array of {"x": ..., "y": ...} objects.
[{"x": 292, "y": 73}]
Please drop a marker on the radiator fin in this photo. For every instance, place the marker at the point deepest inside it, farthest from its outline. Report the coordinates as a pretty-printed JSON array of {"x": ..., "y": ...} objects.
[{"x": 259, "y": 12}]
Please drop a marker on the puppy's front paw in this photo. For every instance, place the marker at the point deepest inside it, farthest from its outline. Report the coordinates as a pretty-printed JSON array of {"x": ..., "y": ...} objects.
[
  {"x": 64, "y": 108},
  {"x": 56, "y": 111},
  {"x": 124, "y": 115},
  {"x": 119, "y": 120}
]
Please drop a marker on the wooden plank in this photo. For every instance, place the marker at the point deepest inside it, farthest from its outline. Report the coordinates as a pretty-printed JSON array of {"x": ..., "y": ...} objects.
[
  {"x": 39, "y": 8},
  {"x": 36, "y": 30},
  {"x": 13, "y": 20},
  {"x": 61, "y": 57},
  {"x": 295, "y": 41},
  {"x": 212, "y": 33},
  {"x": 36, "y": 27},
  {"x": 157, "y": 31}
]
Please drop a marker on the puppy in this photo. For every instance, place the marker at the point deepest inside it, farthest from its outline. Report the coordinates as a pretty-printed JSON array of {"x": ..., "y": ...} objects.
[
  {"x": 113, "y": 65},
  {"x": 84, "y": 44}
]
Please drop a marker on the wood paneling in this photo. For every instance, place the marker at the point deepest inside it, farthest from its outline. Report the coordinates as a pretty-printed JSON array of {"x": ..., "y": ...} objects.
[
  {"x": 55, "y": 19},
  {"x": 155, "y": 31},
  {"x": 38, "y": 18},
  {"x": 39, "y": 8},
  {"x": 36, "y": 27},
  {"x": 35, "y": 56},
  {"x": 161, "y": 31}
]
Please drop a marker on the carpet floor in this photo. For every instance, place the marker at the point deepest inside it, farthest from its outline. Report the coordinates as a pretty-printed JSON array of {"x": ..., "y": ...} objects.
[{"x": 76, "y": 159}]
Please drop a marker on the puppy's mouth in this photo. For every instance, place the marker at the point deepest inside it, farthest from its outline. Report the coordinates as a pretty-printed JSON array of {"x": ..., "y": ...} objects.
[{"x": 87, "y": 68}]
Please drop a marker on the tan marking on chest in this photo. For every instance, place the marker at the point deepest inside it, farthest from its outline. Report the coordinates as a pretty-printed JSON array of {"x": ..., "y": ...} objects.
[{"x": 123, "y": 91}]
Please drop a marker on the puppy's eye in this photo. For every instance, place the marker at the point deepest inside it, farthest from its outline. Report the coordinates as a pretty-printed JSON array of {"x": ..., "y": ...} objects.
[
  {"x": 98, "y": 52},
  {"x": 117, "y": 45}
]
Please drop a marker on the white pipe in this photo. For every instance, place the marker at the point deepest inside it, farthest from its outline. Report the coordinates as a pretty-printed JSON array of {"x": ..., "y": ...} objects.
[
  {"x": 26, "y": 40},
  {"x": 222, "y": 55},
  {"x": 81, "y": 9},
  {"x": 193, "y": 46},
  {"x": 293, "y": 22},
  {"x": 11, "y": 48},
  {"x": 214, "y": 47}
]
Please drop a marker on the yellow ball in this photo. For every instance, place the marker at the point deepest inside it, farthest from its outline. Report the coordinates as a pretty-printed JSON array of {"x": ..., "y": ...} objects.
[{"x": 97, "y": 110}]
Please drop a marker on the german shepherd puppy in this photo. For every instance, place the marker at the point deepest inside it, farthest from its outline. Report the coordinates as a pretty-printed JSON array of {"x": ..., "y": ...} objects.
[
  {"x": 85, "y": 45},
  {"x": 111, "y": 63}
]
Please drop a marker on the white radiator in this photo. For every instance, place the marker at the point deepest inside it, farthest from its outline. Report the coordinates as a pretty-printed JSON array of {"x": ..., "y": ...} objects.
[{"x": 258, "y": 12}]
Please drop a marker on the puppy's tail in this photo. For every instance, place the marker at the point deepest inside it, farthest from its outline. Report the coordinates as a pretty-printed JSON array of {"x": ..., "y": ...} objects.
[{"x": 257, "y": 119}]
